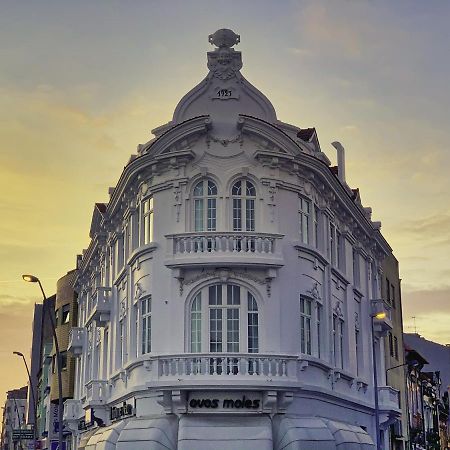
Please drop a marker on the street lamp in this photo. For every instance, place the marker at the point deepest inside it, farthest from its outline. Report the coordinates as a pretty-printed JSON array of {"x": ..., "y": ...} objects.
[
  {"x": 33, "y": 279},
  {"x": 380, "y": 316},
  {"x": 32, "y": 392}
]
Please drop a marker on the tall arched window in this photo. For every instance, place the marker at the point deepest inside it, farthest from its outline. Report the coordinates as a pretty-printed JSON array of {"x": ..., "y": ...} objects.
[
  {"x": 243, "y": 194},
  {"x": 205, "y": 206},
  {"x": 233, "y": 320}
]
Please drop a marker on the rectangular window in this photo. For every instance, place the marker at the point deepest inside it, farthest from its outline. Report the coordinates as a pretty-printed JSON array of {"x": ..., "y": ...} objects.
[
  {"x": 147, "y": 213},
  {"x": 391, "y": 345},
  {"x": 393, "y": 295},
  {"x": 395, "y": 347},
  {"x": 65, "y": 317},
  {"x": 233, "y": 330},
  {"x": 316, "y": 227},
  {"x": 196, "y": 324},
  {"x": 253, "y": 338},
  {"x": 357, "y": 350},
  {"x": 250, "y": 215},
  {"x": 237, "y": 214},
  {"x": 338, "y": 341},
  {"x": 332, "y": 244},
  {"x": 388, "y": 291},
  {"x": 319, "y": 320},
  {"x": 215, "y": 330},
  {"x": 341, "y": 343},
  {"x": 212, "y": 214},
  {"x": 304, "y": 215},
  {"x": 339, "y": 250},
  {"x": 122, "y": 342},
  {"x": 56, "y": 317},
  {"x": 305, "y": 326},
  {"x": 146, "y": 324},
  {"x": 356, "y": 269},
  {"x": 198, "y": 214}
]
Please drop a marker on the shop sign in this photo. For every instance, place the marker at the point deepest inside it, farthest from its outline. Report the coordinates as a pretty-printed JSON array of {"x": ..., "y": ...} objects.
[
  {"x": 121, "y": 411},
  {"x": 224, "y": 402}
]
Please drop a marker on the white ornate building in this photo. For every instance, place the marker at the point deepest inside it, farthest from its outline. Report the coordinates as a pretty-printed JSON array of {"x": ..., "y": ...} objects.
[{"x": 225, "y": 299}]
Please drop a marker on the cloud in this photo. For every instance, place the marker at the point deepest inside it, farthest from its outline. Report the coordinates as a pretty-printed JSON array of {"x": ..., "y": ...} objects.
[{"x": 438, "y": 223}]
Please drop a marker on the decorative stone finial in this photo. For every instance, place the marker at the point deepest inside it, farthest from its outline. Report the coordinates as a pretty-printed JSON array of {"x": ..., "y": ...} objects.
[{"x": 224, "y": 38}]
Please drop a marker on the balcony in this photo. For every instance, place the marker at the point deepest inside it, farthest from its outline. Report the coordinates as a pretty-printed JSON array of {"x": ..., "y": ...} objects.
[
  {"x": 101, "y": 306},
  {"x": 97, "y": 392},
  {"x": 388, "y": 398},
  {"x": 77, "y": 337},
  {"x": 383, "y": 325},
  {"x": 245, "y": 249}
]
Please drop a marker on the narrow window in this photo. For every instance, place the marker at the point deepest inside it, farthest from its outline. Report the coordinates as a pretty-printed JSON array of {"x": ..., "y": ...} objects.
[
  {"x": 147, "y": 220},
  {"x": 395, "y": 347},
  {"x": 253, "y": 338},
  {"x": 319, "y": 320},
  {"x": 393, "y": 295},
  {"x": 357, "y": 350},
  {"x": 332, "y": 244},
  {"x": 196, "y": 324},
  {"x": 305, "y": 326},
  {"x": 243, "y": 195},
  {"x": 341, "y": 343},
  {"x": 205, "y": 206},
  {"x": 356, "y": 274},
  {"x": 339, "y": 250},
  {"x": 146, "y": 324},
  {"x": 316, "y": 227},
  {"x": 65, "y": 317},
  {"x": 304, "y": 213},
  {"x": 391, "y": 345}
]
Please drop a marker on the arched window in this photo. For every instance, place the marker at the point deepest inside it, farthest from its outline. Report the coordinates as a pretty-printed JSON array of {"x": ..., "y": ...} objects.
[
  {"x": 205, "y": 206},
  {"x": 243, "y": 194},
  {"x": 233, "y": 320}
]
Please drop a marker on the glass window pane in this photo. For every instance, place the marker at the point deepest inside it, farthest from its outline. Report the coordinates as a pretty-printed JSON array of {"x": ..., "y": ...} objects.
[
  {"x": 212, "y": 188},
  {"x": 233, "y": 294},
  {"x": 237, "y": 214},
  {"x": 251, "y": 191},
  {"x": 236, "y": 190},
  {"x": 233, "y": 330},
  {"x": 198, "y": 190},
  {"x": 215, "y": 294},
  {"x": 212, "y": 214}
]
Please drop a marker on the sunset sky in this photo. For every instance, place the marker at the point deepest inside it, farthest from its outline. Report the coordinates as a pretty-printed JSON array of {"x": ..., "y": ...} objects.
[{"x": 82, "y": 83}]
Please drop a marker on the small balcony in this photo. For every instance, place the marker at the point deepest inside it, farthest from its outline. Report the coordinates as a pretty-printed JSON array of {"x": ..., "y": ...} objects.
[
  {"x": 388, "y": 398},
  {"x": 77, "y": 337},
  {"x": 97, "y": 392},
  {"x": 101, "y": 306},
  {"x": 224, "y": 249}
]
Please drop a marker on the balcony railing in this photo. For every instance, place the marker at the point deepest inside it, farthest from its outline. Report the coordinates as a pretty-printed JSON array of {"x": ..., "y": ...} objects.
[
  {"x": 101, "y": 306},
  {"x": 388, "y": 397},
  {"x": 77, "y": 337},
  {"x": 219, "y": 366},
  {"x": 97, "y": 392},
  {"x": 244, "y": 248}
]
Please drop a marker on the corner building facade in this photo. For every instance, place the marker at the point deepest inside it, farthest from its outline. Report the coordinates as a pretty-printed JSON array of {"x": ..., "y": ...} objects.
[{"x": 225, "y": 299}]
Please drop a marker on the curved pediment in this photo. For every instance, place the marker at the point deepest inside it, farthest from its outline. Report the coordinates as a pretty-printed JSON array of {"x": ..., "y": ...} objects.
[{"x": 224, "y": 93}]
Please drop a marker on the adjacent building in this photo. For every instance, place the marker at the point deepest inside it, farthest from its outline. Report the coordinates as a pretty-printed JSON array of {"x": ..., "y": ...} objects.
[
  {"x": 14, "y": 423},
  {"x": 228, "y": 293},
  {"x": 395, "y": 364}
]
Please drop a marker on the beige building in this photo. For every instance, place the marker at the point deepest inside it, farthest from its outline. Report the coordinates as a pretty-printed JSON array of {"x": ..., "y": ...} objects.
[{"x": 393, "y": 350}]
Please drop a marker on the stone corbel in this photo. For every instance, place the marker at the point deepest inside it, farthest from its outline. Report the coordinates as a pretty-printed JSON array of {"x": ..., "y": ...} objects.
[
  {"x": 284, "y": 400},
  {"x": 270, "y": 402},
  {"x": 165, "y": 400},
  {"x": 179, "y": 404}
]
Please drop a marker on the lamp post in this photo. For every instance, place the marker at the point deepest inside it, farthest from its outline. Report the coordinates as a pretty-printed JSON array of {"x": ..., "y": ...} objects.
[
  {"x": 32, "y": 393},
  {"x": 33, "y": 279},
  {"x": 379, "y": 315}
]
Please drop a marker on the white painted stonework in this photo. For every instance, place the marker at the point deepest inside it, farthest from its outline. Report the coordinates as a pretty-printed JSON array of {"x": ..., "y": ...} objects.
[{"x": 231, "y": 267}]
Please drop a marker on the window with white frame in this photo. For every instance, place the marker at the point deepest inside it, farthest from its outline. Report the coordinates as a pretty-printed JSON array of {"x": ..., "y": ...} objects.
[
  {"x": 338, "y": 341},
  {"x": 332, "y": 244},
  {"x": 316, "y": 226},
  {"x": 243, "y": 194},
  {"x": 356, "y": 269},
  {"x": 146, "y": 325},
  {"x": 340, "y": 251},
  {"x": 310, "y": 326},
  {"x": 232, "y": 320},
  {"x": 305, "y": 325},
  {"x": 304, "y": 212},
  {"x": 358, "y": 349},
  {"x": 205, "y": 206},
  {"x": 147, "y": 220}
]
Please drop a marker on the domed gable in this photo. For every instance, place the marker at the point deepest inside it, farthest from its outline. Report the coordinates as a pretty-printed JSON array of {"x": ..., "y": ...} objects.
[{"x": 224, "y": 93}]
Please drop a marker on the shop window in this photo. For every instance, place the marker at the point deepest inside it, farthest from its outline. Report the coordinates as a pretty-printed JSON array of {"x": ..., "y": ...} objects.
[{"x": 243, "y": 195}]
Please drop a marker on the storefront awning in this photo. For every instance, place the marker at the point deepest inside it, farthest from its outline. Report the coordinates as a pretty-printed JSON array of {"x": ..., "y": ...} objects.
[
  {"x": 105, "y": 438},
  {"x": 225, "y": 433},
  {"x": 158, "y": 433},
  {"x": 313, "y": 433}
]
